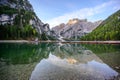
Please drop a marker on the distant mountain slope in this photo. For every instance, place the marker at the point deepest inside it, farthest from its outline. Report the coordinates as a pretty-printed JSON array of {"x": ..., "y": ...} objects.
[
  {"x": 18, "y": 21},
  {"x": 109, "y": 29},
  {"x": 75, "y": 28}
]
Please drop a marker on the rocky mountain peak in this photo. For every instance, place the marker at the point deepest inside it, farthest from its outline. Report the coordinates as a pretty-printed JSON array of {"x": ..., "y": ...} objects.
[
  {"x": 75, "y": 28},
  {"x": 76, "y": 20},
  {"x": 73, "y": 21}
]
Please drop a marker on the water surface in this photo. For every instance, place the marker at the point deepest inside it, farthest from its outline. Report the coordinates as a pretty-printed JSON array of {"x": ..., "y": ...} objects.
[{"x": 56, "y": 61}]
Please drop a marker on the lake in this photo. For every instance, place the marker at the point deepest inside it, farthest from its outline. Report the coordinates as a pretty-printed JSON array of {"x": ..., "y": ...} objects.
[{"x": 57, "y": 61}]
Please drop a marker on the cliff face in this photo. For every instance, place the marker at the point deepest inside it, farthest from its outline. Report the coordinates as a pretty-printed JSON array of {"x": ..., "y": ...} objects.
[
  {"x": 75, "y": 28},
  {"x": 17, "y": 4},
  {"x": 18, "y": 21}
]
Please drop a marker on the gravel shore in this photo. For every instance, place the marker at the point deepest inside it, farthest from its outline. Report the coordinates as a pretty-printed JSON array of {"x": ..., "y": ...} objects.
[{"x": 89, "y": 42}]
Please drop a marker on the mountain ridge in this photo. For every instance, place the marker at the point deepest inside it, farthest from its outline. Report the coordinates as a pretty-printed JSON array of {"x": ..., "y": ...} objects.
[{"x": 109, "y": 29}]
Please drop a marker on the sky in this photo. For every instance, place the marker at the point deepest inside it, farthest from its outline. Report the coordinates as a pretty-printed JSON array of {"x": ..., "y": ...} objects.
[{"x": 55, "y": 12}]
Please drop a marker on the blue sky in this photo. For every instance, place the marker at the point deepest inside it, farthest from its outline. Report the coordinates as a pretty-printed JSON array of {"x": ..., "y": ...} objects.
[{"x": 55, "y": 12}]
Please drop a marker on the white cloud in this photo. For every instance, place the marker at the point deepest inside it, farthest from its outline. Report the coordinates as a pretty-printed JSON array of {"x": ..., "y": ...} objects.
[{"x": 82, "y": 13}]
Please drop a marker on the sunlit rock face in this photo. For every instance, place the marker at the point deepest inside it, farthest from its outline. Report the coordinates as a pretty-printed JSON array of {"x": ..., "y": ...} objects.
[
  {"x": 73, "y": 68},
  {"x": 75, "y": 28},
  {"x": 74, "y": 21}
]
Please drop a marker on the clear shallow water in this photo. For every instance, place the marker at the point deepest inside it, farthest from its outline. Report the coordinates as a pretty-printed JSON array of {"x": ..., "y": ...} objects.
[{"x": 51, "y": 61}]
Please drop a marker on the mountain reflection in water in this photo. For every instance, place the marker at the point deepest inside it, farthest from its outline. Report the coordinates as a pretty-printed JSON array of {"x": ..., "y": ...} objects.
[
  {"x": 52, "y": 61},
  {"x": 83, "y": 66}
]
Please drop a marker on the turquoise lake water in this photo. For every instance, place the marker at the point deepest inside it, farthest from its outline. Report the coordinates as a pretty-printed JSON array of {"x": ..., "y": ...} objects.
[{"x": 57, "y": 61}]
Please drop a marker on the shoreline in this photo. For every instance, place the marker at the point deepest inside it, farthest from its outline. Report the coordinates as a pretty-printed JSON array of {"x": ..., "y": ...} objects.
[{"x": 87, "y": 42}]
